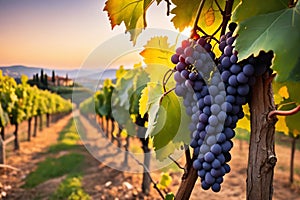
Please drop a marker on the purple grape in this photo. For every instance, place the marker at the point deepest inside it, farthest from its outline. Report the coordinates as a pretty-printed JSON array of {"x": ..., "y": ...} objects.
[
  {"x": 225, "y": 62},
  {"x": 175, "y": 59},
  {"x": 216, "y": 149},
  {"x": 230, "y": 40},
  {"x": 209, "y": 179},
  {"x": 233, "y": 80},
  {"x": 228, "y": 50},
  {"x": 216, "y": 187},
  {"x": 235, "y": 69},
  {"x": 197, "y": 164},
  {"x": 243, "y": 90},
  {"x": 233, "y": 58},
  {"x": 213, "y": 120},
  {"x": 241, "y": 78},
  {"x": 248, "y": 70}
]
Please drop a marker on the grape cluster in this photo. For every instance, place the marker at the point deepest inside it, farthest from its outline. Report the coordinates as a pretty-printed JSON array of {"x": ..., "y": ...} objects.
[{"x": 213, "y": 97}]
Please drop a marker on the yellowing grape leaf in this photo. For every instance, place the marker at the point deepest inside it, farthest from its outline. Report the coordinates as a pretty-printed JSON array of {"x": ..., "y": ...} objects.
[
  {"x": 281, "y": 126},
  {"x": 283, "y": 91},
  {"x": 184, "y": 13},
  {"x": 150, "y": 96},
  {"x": 131, "y": 12},
  {"x": 210, "y": 17},
  {"x": 120, "y": 72},
  {"x": 157, "y": 56},
  {"x": 158, "y": 51},
  {"x": 244, "y": 123}
]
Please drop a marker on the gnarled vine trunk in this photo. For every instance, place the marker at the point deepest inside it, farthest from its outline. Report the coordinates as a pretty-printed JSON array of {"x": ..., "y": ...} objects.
[
  {"x": 35, "y": 126},
  {"x": 29, "y": 129},
  {"x": 262, "y": 159},
  {"x": 16, "y": 140}
]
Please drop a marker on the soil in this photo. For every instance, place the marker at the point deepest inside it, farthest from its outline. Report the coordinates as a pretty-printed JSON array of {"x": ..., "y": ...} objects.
[{"x": 102, "y": 182}]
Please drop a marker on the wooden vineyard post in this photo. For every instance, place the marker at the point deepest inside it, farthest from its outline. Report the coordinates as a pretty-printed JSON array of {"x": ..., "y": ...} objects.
[
  {"x": 262, "y": 158},
  {"x": 2, "y": 151}
]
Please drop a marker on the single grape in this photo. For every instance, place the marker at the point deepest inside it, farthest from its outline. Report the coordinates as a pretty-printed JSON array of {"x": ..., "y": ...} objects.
[
  {"x": 225, "y": 62},
  {"x": 216, "y": 187},
  {"x": 228, "y": 50},
  {"x": 216, "y": 149},
  {"x": 248, "y": 70},
  {"x": 213, "y": 120},
  {"x": 175, "y": 59}
]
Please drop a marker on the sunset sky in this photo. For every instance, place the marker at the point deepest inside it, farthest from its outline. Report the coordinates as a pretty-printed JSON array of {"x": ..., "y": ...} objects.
[{"x": 59, "y": 33}]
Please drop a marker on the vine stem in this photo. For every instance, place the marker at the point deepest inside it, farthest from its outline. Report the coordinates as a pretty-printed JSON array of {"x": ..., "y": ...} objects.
[
  {"x": 226, "y": 15},
  {"x": 283, "y": 112},
  {"x": 178, "y": 165},
  {"x": 166, "y": 79},
  {"x": 196, "y": 27},
  {"x": 168, "y": 7},
  {"x": 148, "y": 173}
]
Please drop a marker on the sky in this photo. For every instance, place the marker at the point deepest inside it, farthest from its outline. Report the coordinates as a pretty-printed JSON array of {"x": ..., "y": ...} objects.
[{"x": 60, "y": 34}]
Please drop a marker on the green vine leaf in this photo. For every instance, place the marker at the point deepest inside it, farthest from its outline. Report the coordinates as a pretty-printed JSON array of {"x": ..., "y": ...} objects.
[
  {"x": 131, "y": 12},
  {"x": 278, "y": 31},
  {"x": 247, "y": 9},
  {"x": 167, "y": 121}
]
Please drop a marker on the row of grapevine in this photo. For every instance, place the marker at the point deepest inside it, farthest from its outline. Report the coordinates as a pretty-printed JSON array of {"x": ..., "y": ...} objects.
[
  {"x": 117, "y": 108},
  {"x": 254, "y": 52},
  {"x": 21, "y": 102}
]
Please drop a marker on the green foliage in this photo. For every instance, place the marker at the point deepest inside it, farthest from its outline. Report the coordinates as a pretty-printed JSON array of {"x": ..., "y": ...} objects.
[
  {"x": 21, "y": 101},
  {"x": 53, "y": 168},
  {"x": 167, "y": 120},
  {"x": 278, "y": 31},
  {"x": 165, "y": 181},
  {"x": 86, "y": 107},
  {"x": 131, "y": 12},
  {"x": 170, "y": 196},
  {"x": 247, "y": 9},
  {"x": 70, "y": 189}
]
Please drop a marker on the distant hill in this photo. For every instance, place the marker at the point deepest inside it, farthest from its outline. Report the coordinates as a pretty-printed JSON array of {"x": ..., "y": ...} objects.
[{"x": 82, "y": 74}]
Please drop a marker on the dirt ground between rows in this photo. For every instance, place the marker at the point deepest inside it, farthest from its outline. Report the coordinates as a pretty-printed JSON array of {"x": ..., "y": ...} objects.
[{"x": 102, "y": 182}]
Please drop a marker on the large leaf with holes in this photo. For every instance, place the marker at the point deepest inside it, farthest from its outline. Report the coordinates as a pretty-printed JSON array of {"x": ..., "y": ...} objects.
[{"x": 278, "y": 31}]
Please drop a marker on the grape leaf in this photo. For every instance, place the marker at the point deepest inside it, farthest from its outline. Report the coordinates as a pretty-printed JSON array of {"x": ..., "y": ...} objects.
[
  {"x": 281, "y": 126},
  {"x": 292, "y": 92},
  {"x": 278, "y": 31},
  {"x": 247, "y": 9},
  {"x": 157, "y": 56},
  {"x": 184, "y": 13},
  {"x": 165, "y": 181},
  {"x": 244, "y": 123},
  {"x": 158, "y": 1},
  {"x": 3, "y": 117},
  {"x": 170, "y": 196},
  {"x": 131, "y": 12},
  {"x": 292, "y": 123},
  {"x": 210, "y": 17},
  {"x": 120, "y": 72},
  {"x": 158, "y": 51},
  {"x": 167, "y": 122}
]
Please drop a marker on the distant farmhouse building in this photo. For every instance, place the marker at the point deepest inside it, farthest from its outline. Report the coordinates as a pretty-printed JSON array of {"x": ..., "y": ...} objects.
[{"x": 60, "y": 81}]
